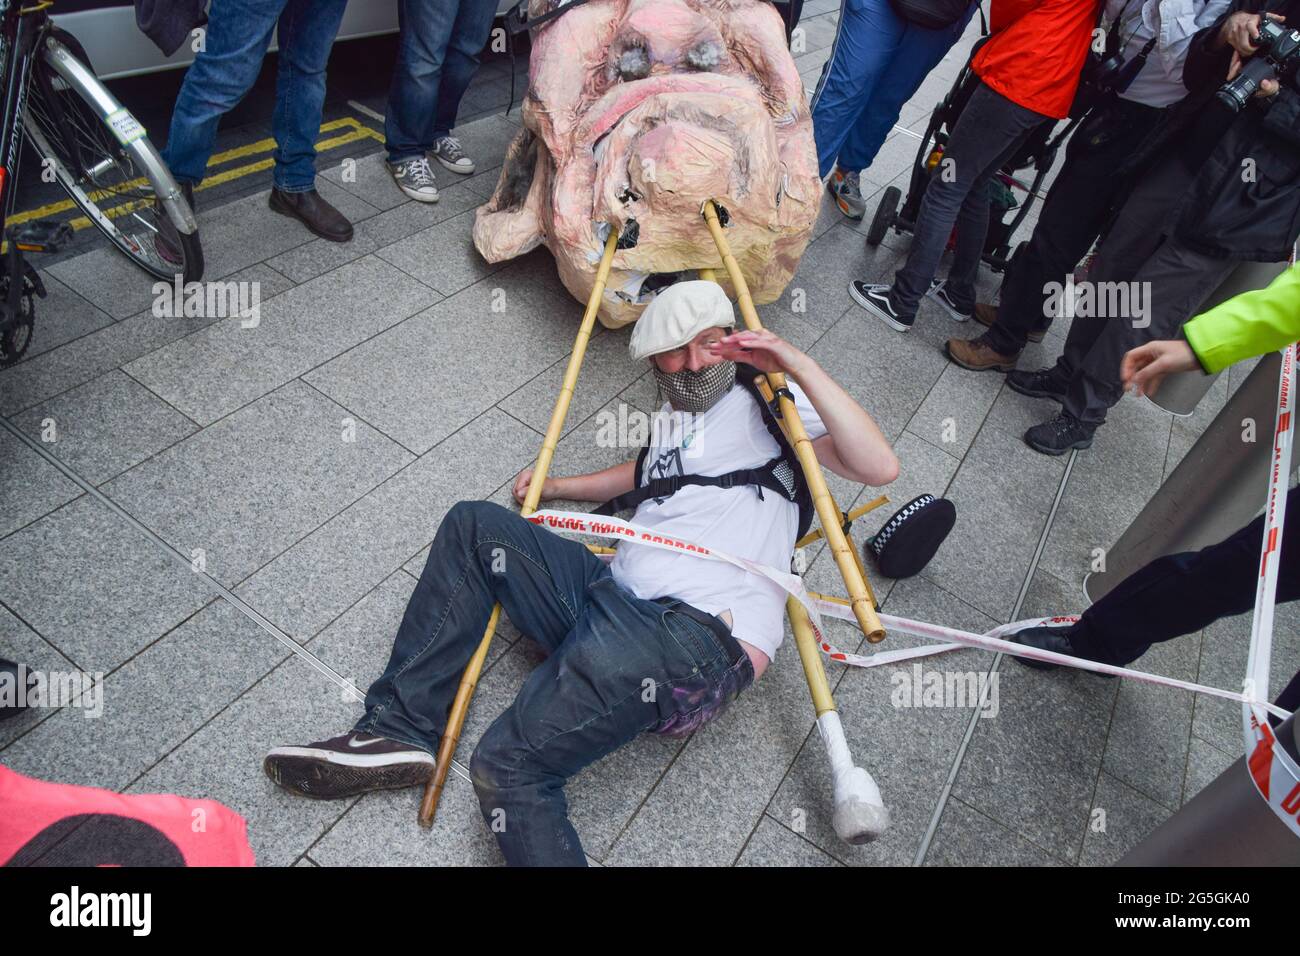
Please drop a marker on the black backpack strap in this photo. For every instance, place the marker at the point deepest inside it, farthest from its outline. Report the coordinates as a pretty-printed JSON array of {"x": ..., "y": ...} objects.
[
  {"x": 800, "y": 494},
  {"x": 768, "y": 475}
]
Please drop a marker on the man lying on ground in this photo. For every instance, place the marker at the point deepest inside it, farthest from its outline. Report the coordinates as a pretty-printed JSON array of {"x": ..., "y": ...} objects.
[{"x": 654, "y": 641}]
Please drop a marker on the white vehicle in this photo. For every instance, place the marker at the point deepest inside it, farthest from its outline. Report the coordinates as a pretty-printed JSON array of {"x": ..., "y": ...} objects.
[{"x": 117, "y": 48}]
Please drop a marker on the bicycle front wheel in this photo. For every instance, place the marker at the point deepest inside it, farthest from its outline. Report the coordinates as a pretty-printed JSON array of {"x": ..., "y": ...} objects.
[{"x": 100, "y": 155}]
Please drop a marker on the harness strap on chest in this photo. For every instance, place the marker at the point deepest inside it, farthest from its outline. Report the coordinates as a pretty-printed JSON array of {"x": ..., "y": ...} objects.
[{"x": 781, "y": 475}]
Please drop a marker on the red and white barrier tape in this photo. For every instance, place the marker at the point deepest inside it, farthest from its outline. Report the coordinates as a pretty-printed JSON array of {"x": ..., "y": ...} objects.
[
  {"x": 1274, "y": 772},
  {"x": 581, "y": 523}
]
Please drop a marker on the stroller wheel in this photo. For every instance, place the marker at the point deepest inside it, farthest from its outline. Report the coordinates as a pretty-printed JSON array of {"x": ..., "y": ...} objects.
[{"x": 885, "y": 214}]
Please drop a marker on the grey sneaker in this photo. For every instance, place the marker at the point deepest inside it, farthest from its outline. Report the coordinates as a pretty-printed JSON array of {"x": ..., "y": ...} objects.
[
  {"x": 448, "y": 152},
  {"x": 415, "y": 178},
  {"x": 847, "y": 190}
]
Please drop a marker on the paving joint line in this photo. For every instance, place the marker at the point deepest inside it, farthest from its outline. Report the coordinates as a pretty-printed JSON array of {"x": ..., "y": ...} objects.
[{"x": 924, "y": 847}]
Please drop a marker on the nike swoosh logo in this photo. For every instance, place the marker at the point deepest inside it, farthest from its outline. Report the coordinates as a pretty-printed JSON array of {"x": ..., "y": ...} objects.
[{"x": 354, "y": 743}]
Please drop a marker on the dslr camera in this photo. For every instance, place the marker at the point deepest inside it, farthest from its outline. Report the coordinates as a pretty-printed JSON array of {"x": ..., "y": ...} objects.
[{"x": 1278, "y": 56}]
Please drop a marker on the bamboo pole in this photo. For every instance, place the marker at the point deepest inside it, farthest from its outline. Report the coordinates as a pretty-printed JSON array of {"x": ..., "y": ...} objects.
[
  {"x": 806, "y": 642},
  {"x": 460, "y": 705},
  {"x": 864, "y": 608},
  {"x": 816, "y": 533}
]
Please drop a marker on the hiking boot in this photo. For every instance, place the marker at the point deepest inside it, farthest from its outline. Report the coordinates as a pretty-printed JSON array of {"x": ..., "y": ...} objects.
[
  {"x": 986, "y": 315},
  {"x": 846, "y": 189},
  {"x": 347, "y": 765},
  {"x": 415, "y": 178},
  {"x": 448, "y": 152},
  {"x": 978, "y": 355},
  {"x": 1060, "y": 434},
  {"x": 1043, "y": 383}
]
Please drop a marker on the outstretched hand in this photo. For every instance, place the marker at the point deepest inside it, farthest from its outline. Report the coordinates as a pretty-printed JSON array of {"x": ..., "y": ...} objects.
[
  {"x": 525, "y": 479},
  {"x": 764, "y": 350},
  {"x": 1146, "y": 366}
]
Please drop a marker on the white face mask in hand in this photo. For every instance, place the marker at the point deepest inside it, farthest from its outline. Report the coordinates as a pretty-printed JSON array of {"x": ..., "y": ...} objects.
[{"x": 689, "y": 391}]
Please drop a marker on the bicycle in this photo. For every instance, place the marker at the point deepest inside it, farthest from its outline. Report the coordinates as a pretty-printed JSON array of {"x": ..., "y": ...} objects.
[{"x": 96, "y": 150}]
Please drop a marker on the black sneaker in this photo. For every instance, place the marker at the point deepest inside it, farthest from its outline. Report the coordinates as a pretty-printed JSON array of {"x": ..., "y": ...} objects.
[
  {"x": 1059, "y": 435},
  {"x": 939, "y": 292},
  {"x": 346, "y": 765},
  {"x": 876, "y": 299},
  {"x": 1044, "y": 383},
  {"x": 1048, "y": 639}
]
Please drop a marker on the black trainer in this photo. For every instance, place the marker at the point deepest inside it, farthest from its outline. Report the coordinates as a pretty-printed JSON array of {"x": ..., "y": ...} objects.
[
  {"x": 939, "y": 292},
  {"x": 1055, "y": 639},
  {"x": 1044, "y": 383},
  {"x": 877, "y": 299},
  {"x": 1060, "y": 434},
  {"x": 347, "y": 765}
]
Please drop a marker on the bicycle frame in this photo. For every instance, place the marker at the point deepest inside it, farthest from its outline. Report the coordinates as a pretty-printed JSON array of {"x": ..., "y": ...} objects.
[{"x": 20, "y": 33}]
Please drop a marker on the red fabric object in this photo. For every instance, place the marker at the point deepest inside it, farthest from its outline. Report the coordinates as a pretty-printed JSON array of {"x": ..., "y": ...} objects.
[
  {"x": 56, "y": 824},
  {"x": 1036, "y": 51}
]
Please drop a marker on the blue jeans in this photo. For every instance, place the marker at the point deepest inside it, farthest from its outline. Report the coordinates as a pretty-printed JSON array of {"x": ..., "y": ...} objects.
[
  {"x": 440, "y": 45},
  {"x": 238, "y": 34},
  {"x": 617, "y": 666},
  {"x": 989, "y": 132},
  {"x": 878, "y": 61}
]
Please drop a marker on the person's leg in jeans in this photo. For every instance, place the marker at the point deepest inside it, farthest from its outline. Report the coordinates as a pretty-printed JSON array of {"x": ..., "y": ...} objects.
[
  {"x": 417, "y": 76},
  {"x": 237, "y": 37},
  {"x": 306, "y": 33},
  {"x": 469, "y": 34},
  {"x": 482, "y": 554},
  {"x": 617, "y": 666},
  {"x": 865, "y": 44},
  {"x": 918, "y": 52},
  {"x": 989, "y": 132},
  {"x": 1072, "y": 217},
  {"x": 629, "y": 666}
]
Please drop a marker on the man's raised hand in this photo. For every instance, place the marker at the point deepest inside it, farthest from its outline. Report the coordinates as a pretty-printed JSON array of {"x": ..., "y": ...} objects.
[{"x": 764, "y": 350}]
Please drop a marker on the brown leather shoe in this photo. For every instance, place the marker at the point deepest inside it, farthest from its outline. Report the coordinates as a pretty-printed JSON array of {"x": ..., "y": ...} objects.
[
  {"x": 311, "y": 209},
  {"x": 986, "y": 315},
  {"x": 978, "y": 356}
]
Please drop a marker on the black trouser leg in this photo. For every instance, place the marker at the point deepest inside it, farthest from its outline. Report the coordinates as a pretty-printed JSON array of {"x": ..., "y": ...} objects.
[
  {"x": 1076, "y": 210},
  {"x": 1181, "y": 593}
]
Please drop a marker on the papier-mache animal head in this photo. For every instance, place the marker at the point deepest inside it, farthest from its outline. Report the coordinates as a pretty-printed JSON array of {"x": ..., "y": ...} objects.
[{"x": 639, "y": 110}]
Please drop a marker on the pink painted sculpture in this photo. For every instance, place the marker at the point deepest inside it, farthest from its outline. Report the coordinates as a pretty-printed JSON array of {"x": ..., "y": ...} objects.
[{"x": 639, "y": 110}]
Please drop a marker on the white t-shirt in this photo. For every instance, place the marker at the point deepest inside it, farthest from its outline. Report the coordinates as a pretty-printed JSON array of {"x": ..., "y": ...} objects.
[{"x": 729, "y": 436}]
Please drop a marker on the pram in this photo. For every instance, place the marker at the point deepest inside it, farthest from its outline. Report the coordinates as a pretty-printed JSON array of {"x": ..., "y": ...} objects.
[{"x": 1038, "y": 151}]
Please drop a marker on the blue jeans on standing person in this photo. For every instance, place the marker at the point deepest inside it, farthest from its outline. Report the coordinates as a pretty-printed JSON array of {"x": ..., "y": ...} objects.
[
  {"x": 617, "y": 665},
  {"x": 878, "y": 61},
  {"x": 235, "y": 43},
  {"x": 441, "y": 42}
]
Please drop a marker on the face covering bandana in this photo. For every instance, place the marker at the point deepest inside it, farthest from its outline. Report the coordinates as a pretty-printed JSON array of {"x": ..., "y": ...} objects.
[{"x": 689, "y": 391}]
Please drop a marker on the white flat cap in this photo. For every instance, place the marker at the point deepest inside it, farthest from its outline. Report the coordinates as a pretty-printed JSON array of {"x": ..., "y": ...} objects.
[{"x": 678, "y": 314}]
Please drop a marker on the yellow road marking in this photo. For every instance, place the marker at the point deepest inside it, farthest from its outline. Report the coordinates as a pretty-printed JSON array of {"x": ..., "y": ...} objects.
[{"x": 357, "y": 131}]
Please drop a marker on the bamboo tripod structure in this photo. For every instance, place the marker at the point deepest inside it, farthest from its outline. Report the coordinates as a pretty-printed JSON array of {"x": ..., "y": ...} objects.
[
  {"x": 846, "y": 557},
  {"x": 468, "y": 682},
  {"x": 860, "y": 599}
]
